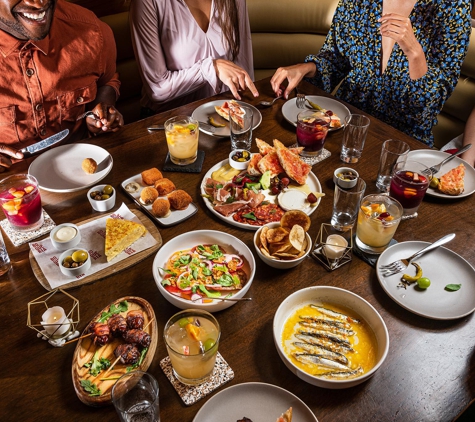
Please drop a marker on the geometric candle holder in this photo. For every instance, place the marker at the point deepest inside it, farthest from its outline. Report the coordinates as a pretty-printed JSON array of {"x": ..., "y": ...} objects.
[
  {"x": 54, "y": 316},
  {"x": 332, "y": 247}
]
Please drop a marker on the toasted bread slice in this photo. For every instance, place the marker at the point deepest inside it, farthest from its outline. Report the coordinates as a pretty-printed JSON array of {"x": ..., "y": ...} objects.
[
  {"x": 295, "y": 168},
  {"x": 253, "y": 168},
  {"x": 285, "y": 417},
  {"x": 270, "y": 162},
  {"x": 120, "y": 234},
  {"x": 237, "y": 111},
  {"x": 265, "y": 148},
  {"x": 452, "y": 182}
]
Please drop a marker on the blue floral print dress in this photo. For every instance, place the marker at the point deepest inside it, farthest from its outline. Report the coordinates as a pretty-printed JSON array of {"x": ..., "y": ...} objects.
[{"x": 352, "y": 54}]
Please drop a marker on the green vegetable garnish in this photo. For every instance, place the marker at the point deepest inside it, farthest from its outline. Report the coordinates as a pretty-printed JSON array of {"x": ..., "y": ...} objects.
[
  {"x": 96, "y": 365},
  {"x": 90, "y": 388},
  {"x": 453, "y": 287},
  {"x": 265, "y": 180},
  {"x": 209, "y": 294},
  {"x": 139, "y": 362},
  {"x": 250, "y": 216},
  {"x": 121, "y": 307}
]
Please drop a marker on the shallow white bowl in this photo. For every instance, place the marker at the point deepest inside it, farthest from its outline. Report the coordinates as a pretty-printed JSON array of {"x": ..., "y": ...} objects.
[
  {"x": 103, "y": 205},
  {"x": 337, "y": 296},
  {"x": 74, "y": 272},
  {"x": 239, "y": 165},
  {"x": 281, "y": 264},
  {"x": 186, "y": 241},
  {"x": 63, "y": 245},
  {"x": 346, "y": 184}
]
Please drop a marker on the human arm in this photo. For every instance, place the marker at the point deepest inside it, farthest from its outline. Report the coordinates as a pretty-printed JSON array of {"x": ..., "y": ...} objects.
[
  {"x": 6, "y": 155},
  {"x": 234, "y": 77},
  {"x": 469, "y": 138}
]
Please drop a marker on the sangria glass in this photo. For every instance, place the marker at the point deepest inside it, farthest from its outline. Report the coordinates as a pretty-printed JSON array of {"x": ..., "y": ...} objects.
[{"x": 312, "y": 129}]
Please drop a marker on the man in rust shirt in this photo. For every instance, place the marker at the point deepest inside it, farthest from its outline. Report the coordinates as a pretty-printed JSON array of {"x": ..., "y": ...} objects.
[{"x": 57, "y": 61}]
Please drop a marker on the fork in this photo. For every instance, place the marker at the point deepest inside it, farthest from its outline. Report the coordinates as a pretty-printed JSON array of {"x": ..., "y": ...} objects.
[
  {"x": 269, "y": 103},
  {"x": 87, "y": 114},
  {"x": 402, "y": 264},
  {"x": 231, "y": 299},
  {"x": 435, "y": 169},
  {"x": 300, "y": 100}
]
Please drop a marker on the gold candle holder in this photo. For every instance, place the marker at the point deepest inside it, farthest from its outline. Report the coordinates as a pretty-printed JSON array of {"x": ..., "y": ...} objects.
[
  {"x": 332, "y": 248},
  {"x": 54, "y": 316}
]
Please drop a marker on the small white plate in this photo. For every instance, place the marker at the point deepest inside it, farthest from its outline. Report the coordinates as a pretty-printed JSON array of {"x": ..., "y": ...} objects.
[
  {"x": 205, "y": 111},
  {"x": 442, "y": 266},
  {"x": 290, "y": 109},
  {"x": 60, "y": 168},
  {"x": 430, "y": 157},
  {"x": 256, "y": 401}
]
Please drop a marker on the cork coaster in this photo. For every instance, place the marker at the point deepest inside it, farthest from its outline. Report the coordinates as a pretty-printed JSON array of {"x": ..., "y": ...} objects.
[
  {"x": 190, "y": 394},
  {"x": 19, "y": 238},
  {"x": 314, "y": 160}
]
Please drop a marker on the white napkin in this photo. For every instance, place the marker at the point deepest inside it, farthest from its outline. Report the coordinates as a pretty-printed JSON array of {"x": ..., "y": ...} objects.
[{"x": 92, "y": 240}]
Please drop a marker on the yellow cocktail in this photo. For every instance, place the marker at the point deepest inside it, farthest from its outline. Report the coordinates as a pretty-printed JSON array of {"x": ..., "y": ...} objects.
[{"x": 182, "y": 138}]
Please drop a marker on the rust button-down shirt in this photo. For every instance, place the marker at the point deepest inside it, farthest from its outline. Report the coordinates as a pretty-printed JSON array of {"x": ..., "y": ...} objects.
[{"x": 45, "y": 85}]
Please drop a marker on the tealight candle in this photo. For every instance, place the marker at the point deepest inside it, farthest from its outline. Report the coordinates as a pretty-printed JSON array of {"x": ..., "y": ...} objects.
[
  {"x": 55, "y": 321},
  {"x": 335, "y": 246}
]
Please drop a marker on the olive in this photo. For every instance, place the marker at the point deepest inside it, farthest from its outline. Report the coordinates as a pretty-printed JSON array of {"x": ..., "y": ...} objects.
[
  {"x": 434, "y": 183},
  {"x": 108, "y": 189},
  {"x": 79, "y": 256},
  {"x": 208, "y": 344},
  {"x": 423, "y": 282},
  {"x": 312, "y": 198},
  {"x": 98, "y": 197},
  {"x": 94, "y": 194},
  {"x": 104, "y": 197}
]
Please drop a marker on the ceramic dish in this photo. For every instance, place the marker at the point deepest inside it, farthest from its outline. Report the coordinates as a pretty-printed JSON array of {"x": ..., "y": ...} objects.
[
  {"x": 348, "y": 182},
  {"x": 62, "y": 243},
  {"x": 101, "y": 205},
  {"x": 74, "y": 271},
  {"x": 442, "y": 266}
]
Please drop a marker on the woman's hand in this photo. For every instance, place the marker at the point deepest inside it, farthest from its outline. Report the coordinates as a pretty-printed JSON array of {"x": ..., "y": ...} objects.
[
  {"x": 108, "y": 119},
  {"x": 294, "y": 74},
  {"x": 234, "y": 77},
  {"x": 6, "y": 154}
]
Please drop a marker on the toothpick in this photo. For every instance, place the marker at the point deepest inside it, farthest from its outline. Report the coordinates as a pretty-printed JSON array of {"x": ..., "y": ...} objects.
[
  {"x": 148, "y": 323},
  {"x": 78, "y": 338},
  {"x": 110, "y": 367}
]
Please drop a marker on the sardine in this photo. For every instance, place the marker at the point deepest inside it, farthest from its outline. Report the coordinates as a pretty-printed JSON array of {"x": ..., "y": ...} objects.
[
  {"x": 335, "y": 338},
  {"x": 336, "y": 315},
  {"x": 320, "y": 350},
  {"x": 334, "y": 347},
  {"x": 324, "y": 320},
  {"x": 341, "y": 374},
  {"x": 328, "y": 328},
  {"x": 310, "y": 358}
]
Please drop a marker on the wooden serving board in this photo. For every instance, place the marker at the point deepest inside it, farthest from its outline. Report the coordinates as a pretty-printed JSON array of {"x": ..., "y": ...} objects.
[
  {"x": 85, "y": 350},
  {"x": 119, "y": 266}
]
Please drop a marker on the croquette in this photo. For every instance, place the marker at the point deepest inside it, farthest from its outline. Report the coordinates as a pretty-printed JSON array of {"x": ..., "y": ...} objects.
[
  {"x": 89, "y": 165},
  {"x": 148, "y": 195},
  {"x": 164, "y": 186},
  {"x": 179, "y": 199},
  {"x": 161, "y": 208},
  {"x": 150, "y": 176}
]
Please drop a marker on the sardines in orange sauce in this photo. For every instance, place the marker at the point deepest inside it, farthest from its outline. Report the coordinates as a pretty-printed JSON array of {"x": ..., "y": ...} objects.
[{"x": 329, "y": 341}]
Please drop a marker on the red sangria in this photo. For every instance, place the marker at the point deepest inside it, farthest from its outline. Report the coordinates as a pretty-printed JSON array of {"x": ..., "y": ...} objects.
[
  {"x": 409, "y": 184},
  {"x": 21, "y": 202},
  {"x": 312, "y": 129}
]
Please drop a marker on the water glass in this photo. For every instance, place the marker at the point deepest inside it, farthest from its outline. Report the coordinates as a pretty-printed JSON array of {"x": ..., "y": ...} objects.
[
  {"x": 312, "y": 129},
  {"x": 346, "y": 203},
  {"x": 354, "y": 137},
  {"x": 5, "y": 263},
  {"x": 241, "y": 128},
  {"x": 392, "y": 152},
  {"x": 135, "y": 397},
  {"x": 182, "y": 133}
]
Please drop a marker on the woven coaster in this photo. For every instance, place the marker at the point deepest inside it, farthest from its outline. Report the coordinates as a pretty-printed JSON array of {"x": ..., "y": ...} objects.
[
  {"x": 19, "y": 238},
  {"x": 190, "y": 394},
  {"x": 369, "y": 258},
  {"x": 190, "y": 168},
  {"x": 314, "y": 160}
]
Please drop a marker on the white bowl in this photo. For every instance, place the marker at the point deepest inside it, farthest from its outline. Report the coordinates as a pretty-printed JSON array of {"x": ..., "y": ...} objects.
[
  {"x": 281, "y": 264},
  {"x": 102, "y": 205},
  {"x": 74, "y": 272},
  {"x": 188, "y": 240},
  {"x": 337, "y": 296},
  {"x": 346, "y": 184},
  {"x": 239, "y": 165},
  {"x": 62, "y": 245}
]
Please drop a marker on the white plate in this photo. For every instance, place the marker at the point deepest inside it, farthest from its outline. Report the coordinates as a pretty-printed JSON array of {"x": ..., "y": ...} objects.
[
  {"x": 175, "y": 217},
  {"x": 60, "y": 168},
  {"x": 430, "y": 157},
  {"x": 205, "y": 111},
  {"x": 290, "y": 109},
  {"x": 442, "y": 267},
  {"x": 312, "y": 182},
  {"x": 256, "y": 401}
]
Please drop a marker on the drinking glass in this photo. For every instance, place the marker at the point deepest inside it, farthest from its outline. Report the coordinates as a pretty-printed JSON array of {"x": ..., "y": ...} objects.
[
  {"x": 192, "y": 339},
  {"x": 312, "y": 129},
  {"x": 378, "y": 218},
  {"x": 241, "y": 128},
  {"x": 409, "y": 185},
  {"x": 354, "y": 137},
  {"x": 182, "y": 134},
  {"x": 5, "y": 263},
  {"x": 135, "y": 397},
  {"x": 21, "y": 202},
  {"x": 346, "y": 203},
  {"x": 392, "y": 152}
]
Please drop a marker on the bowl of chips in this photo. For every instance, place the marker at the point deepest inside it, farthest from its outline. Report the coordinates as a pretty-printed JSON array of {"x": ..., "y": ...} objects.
[{"x": 284, "y": 244}]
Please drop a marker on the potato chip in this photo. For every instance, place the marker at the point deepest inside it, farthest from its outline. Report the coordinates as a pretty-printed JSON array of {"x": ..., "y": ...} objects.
[
  {"x": 279, "y": 247},
  {"x": 293, "y": 217},
  {"x": 264, "y": 238},
  {"x": 297, "y": 237},
  {"x": 276, "y": 235},
  {"x": 286, "y": 256},
  {"x": 266, "y": 253}
]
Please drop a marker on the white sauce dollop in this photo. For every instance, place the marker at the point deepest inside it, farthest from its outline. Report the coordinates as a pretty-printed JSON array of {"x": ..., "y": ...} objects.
[{"x": 65, "y": 234}]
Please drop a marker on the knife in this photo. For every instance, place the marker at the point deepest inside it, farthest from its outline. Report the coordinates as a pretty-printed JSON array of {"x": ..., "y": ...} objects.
[
  {"x": 205, "y": 126},
  {"x": 45, "y": 143}
]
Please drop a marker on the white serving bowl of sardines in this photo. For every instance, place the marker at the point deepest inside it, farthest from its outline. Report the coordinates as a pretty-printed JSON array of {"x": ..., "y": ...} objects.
[{"x": 330, "y": 337}]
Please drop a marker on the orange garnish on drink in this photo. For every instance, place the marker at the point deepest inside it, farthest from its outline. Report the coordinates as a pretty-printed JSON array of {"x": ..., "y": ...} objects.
[{"x": 193, "y": 331}]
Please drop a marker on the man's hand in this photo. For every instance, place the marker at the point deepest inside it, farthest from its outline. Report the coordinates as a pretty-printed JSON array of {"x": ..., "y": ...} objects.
[
  {"x": 234, "y": 77},
  {"x": 108, "y": 119},
  {"x": 294, "y": 74},
  {"x": 6, "y": 154}
]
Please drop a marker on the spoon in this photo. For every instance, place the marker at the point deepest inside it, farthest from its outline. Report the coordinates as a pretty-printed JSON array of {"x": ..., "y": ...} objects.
[
  {"x": 231, "y": 299},
  {"x": 205, "y": 126},
  {"x": 269, "y": 103}
]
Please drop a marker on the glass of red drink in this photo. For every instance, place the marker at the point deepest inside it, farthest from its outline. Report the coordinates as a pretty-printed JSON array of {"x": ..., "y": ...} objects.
[
  {"x": 409, "y": 184},
  {"x": 21, "y": 202},
  {"x": 312, "y": 129}
]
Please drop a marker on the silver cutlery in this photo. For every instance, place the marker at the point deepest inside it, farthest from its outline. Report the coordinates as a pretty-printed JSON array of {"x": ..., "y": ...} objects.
[
  {"x": 88, "y": 114},
  {"x": 402, "y": 264},
  {"x": 300, "y": 100},
  {"x": 206, "y": 126},
  {"x": 231, "y": 299},
  {"x": 435, "y": 169},
  {"x": 270, "y": 103}
]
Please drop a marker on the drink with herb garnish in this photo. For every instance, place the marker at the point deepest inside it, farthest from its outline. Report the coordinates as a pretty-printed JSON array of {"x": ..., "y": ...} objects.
[{"x": 182, "y": 138}]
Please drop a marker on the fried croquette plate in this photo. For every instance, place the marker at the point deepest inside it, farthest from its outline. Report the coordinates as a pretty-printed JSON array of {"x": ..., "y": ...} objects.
[{"x": 133, "y": 187}]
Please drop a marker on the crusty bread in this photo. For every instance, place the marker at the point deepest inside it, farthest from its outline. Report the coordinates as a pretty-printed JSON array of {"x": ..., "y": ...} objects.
[
  {"x": 452, "y": 182},
  {"x": 120, "y": 234},
  {"x": 285, "y": 417}
]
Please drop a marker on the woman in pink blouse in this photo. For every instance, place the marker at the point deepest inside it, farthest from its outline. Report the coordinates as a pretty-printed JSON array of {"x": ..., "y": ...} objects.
[{"x": 191, "y": 49}]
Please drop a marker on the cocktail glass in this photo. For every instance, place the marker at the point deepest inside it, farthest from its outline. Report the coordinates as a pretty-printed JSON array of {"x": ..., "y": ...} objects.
[
  {"x": 192, "y": 339},
  {"x": 312, "y": 129},
  {"x": 21, "y": 202},
  {"x": 409, "y": 185},
  {"x": 182, "y": 133},
  {"x": 378, "y": 218}
]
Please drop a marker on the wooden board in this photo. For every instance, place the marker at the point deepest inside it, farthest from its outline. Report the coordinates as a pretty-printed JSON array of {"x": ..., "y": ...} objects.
[
  {"x": 113, "y": 268},
  {"x": 85, "y": 350}
]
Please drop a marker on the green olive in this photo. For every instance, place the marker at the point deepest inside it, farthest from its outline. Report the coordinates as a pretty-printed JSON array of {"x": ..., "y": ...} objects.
[
  {"x": 423, "y": 282},
  {"x": 434, "y": 183},
  {"x": 208, "y": 344},
  {"x": 184, "y": 322},
  {"x": 104, "y": 197},
  {"x": 68, "y": 259},
  {"x": 108, "y": 189},
  {"x": 79, "y": 256}
]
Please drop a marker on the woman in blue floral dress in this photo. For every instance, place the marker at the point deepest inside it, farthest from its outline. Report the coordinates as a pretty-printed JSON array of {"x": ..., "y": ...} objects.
[{"x": 398, "y": 60}]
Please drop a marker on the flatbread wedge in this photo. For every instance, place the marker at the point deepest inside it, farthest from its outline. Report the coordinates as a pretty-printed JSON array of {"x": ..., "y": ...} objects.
[
  {"x": 237, "y": 111},
  {"x": 120, "y": 234},
  {"x": 285, "y": 417},
  {"x": 295, "y": 168},
  {"x": 452, "y": 182}
]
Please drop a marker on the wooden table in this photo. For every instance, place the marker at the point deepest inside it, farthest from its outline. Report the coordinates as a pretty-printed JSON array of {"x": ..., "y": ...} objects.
[{"x": 429, "y": 373}]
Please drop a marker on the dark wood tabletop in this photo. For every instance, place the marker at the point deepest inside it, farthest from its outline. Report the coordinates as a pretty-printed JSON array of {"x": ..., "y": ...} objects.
[{"x": 429, "y": 373}]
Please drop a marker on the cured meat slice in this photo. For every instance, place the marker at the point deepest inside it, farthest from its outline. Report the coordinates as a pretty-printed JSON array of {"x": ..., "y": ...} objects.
[{"x": 295, "y": 168}]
